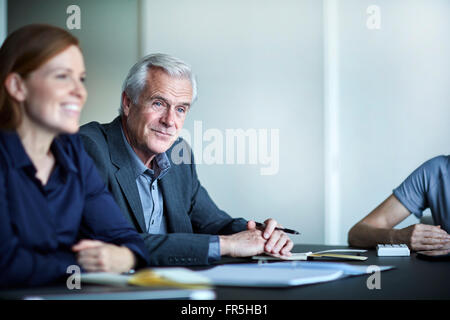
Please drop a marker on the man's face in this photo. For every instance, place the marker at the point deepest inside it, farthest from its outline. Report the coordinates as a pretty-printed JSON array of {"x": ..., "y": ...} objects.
[{"x": 153, "y": 124}]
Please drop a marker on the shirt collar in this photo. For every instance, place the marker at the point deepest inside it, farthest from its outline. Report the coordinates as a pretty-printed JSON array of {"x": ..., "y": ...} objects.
[
  {"x": 162, "y": 165},
  {"x": 15, "y": 149},
  {"x": 21, "y": 159},
  {"x": 161, "y": 162}
]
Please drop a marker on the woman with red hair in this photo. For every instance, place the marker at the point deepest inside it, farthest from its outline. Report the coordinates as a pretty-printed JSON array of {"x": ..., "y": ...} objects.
[{"x": 55, "y": 210}]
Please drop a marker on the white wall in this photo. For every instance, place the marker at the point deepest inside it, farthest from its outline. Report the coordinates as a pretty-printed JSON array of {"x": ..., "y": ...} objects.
[
  {"x": 394, "y": 99},
  {"x": 348, "y": 137},
  {"x": 259, "y": 65}
]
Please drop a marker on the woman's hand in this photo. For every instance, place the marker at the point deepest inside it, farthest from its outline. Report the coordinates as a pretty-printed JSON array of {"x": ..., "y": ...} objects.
[{"x": 98, "y": 256}]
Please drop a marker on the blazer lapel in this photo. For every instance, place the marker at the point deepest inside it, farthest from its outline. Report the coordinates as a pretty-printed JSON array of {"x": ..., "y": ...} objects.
[
  {"x": 177, "y": 221},
  {"x": 125, "y": 175}
]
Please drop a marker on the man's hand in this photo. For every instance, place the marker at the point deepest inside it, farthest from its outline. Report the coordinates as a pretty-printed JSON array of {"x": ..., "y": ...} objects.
[
  {"x": 98, "y": 256},
  {"x": 278, "y": 242},
  {"x": 242, "y": 244},
  {"x": 424, "y": 237}
]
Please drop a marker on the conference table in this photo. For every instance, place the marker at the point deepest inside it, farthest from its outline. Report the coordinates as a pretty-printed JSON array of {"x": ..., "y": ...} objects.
[{"x": 412, "y": 278}]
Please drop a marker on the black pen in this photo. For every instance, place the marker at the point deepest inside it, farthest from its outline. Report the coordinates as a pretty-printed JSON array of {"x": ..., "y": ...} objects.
[{"x": 262, "y": 225}]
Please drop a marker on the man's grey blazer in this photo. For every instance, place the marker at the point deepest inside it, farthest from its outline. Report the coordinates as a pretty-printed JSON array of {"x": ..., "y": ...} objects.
[{"x": 190, "y": 213}]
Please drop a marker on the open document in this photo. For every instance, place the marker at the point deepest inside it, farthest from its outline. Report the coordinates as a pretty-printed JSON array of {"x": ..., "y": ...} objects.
[{"x": 282, "y": 274}]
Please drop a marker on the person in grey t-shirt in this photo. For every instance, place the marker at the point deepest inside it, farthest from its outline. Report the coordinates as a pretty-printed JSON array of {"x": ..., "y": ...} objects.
[{"x": 427, "y": 187}]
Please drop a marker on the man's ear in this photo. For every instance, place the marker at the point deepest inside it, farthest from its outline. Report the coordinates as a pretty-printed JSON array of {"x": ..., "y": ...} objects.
[
  {"x": 15, "y": 86},
  {"x": 126, "y": 104}
]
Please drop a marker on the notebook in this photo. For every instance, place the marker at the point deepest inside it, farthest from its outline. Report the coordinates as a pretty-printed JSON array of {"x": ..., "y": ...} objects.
[{"x": 335, "y": 254}]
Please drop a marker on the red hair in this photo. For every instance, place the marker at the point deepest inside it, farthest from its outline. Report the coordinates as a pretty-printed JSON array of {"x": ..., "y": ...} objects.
[{"x": 24, "y": 51}]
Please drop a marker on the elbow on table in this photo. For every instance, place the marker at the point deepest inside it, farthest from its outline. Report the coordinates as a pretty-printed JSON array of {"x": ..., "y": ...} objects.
[{"x": 352, "y": 236}]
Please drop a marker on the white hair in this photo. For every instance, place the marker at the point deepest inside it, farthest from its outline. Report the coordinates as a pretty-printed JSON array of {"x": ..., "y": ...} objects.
[{"x": 136, "y": 79}]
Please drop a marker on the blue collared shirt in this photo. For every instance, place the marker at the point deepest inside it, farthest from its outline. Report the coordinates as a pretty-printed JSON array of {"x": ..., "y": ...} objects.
[
  {"x": 39, "y": 223},
  {"x": 152, "y": 199},
  {"x": 149, "y": 191}
]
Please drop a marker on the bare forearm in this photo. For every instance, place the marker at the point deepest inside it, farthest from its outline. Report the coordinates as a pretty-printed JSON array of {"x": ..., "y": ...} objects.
[
  {"x": 363, "y": 235},
  {"x": 377, "y": 227}
]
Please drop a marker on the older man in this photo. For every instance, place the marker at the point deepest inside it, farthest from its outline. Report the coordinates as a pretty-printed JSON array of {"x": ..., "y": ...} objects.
[{"x": 165, "y": 201}]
